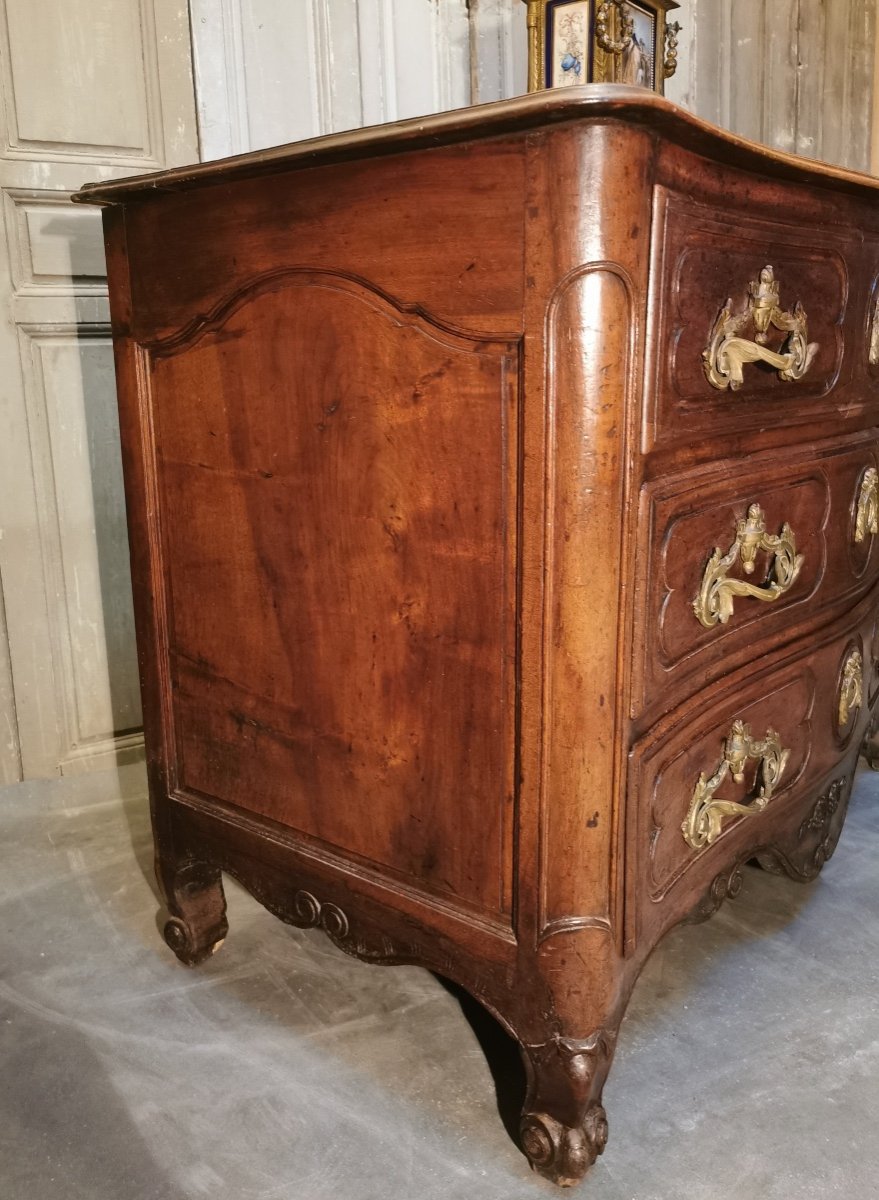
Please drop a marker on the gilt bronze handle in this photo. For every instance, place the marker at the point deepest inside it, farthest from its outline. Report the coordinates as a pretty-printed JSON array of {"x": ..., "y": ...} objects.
[
  {"x": 867, "y": 510},
  {"x": 704, "y": 820},
  {"x": 727, "y": 352},
  {"x": 851, "y": 688},
  {"x": 714, "y": 604}
]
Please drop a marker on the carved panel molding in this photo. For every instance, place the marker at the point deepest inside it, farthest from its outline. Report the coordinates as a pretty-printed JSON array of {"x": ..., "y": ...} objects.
[{"x": 453, "y": 381}]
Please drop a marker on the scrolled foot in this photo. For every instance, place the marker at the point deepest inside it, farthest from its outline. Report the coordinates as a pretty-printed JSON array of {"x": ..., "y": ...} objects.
[
  {"x": 870, "y": 750},
  {"x": 803, "y": 855},
  {"x": 189, "y": 949},
  {"x": 564, "y": 1127},
  {"x": 197, "y": 926},
  {"x": 563, "y": 1153}
]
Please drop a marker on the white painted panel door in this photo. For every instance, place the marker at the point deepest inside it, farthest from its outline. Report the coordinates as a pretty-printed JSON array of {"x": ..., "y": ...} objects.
[
  {"x": 91, "y": 89},
  {"x": 270, "y": 72},
  {"x": 798, "y": 75}
]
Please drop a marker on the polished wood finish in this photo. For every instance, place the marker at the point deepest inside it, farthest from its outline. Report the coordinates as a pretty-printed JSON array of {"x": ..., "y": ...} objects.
[{"x": 423, "y": 474}]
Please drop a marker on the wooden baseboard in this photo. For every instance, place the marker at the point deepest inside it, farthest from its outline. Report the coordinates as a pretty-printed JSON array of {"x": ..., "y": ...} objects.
[{"x": 98, "y": 756}]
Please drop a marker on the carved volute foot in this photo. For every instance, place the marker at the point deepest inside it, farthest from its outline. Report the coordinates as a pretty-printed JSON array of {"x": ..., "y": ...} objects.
[
  {"x": 197, "y": 926},
  {"x": 192, "y": 948},
  {"x": 870, "y": 750},
  {"x": 725, "y": 886},
  {"x": 563, "y": 1153},
  {"x": 564, "y": 1127},
  {"x": 804, "y": 856}
]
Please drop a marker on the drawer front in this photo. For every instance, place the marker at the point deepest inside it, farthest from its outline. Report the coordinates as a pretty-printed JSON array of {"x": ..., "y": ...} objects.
[
  {"x": 704, "y": 612},
  {"x": 873, "y": 653},
  {"x": 704, "y": 260},
  {"x": 801, "y": 719}
]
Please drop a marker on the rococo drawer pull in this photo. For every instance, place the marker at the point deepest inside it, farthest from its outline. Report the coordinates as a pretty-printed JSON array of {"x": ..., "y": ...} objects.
[
  {"x": 851, "y": 689},
  {"x": 714, "y": 604},
  {"x": 705, "y": 818},
  {"x": 873, "y": 352},
  {"x": 867, "y": 512},
  {"x": 726, "y": 353}
]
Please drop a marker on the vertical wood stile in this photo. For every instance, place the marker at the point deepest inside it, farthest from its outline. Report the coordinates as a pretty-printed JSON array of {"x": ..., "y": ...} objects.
[
  {"x": 451, "y": 54},
  {"x": 319, "y": 38},
  {"x": 874, "y": 132},
  {"x": 780, "y": 81},
  {"x": 341, "y": 64},
  {"x": 862, "y": 40},
  {"x": 218, "y": 60},
  {"x": 10, "y": 754},
  {"x": 724, "y": 69},
  {"x": 499, "y": 49},
  {"x": 427, "y": 54},
  {"x": 812, "y": 85},
  {"x": 747, "y": 39},
  {"x": 836, "y": 115},
  {"x": 279, "y": 52},
  {"x": 709, "y": 20},
  {"x": 375, "y": 45}
]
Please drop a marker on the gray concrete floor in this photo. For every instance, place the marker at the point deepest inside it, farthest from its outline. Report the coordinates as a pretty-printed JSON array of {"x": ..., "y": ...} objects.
[{"x": 747, "y": 1067}]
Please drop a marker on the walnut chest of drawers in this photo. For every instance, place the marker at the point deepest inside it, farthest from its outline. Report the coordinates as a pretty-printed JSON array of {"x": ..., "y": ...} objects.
[{"x": 502, "y": 492}]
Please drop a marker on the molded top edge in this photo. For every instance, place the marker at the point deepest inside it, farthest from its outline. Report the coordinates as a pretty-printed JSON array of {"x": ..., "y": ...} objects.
[{"x": 637, "y": 106}]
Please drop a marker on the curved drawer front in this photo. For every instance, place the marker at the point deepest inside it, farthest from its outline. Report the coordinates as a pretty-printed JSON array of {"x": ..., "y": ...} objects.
[
  {"x": 805, "y": 530},
  {"x": 871, "y": 652},
  {"x": 777, "y": 284},
  {"x": 714, "y": 780}
]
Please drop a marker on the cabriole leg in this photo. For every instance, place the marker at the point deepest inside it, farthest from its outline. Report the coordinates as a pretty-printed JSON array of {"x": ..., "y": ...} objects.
[
  {"x": 194, "y": 894},
  {"x": 564, "y": 1127},
  {"x": 870, "y": 747}
]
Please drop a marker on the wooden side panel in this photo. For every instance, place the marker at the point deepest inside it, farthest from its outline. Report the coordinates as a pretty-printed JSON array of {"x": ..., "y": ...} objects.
[
  {"x": 438, "y": 229},
  {"x": 338, "y": 483}
]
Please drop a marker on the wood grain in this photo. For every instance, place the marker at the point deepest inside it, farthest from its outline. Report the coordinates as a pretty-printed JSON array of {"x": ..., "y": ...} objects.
[{"x": 423, "y": 474}]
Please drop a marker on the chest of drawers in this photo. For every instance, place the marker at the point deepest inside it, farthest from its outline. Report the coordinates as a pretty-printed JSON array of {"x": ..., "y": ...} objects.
[{"x": 502, "y": 492}]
